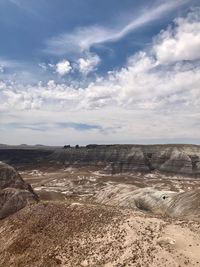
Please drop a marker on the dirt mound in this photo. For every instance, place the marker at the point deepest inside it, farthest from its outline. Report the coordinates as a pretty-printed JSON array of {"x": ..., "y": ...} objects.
[
  {"x": 173, "y": 204},
  {"x": 185, "y": 204},
  {"x": 73, "y": 234},
  {"x": 15, "y": 193}
]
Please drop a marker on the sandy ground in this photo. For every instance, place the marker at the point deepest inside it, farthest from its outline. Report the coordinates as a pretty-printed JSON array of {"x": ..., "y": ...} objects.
[
  {"x": 75, "y": 234},
  {"x": 67, "y": 228}
]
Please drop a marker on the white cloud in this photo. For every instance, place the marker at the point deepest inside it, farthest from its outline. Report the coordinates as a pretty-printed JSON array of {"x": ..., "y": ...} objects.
[
  {"x": 85, "y": 37},
  {"x": 1, "y": 69},
  {"x": 142, "y": 84},
  {"x": 5, "y": 63},
  {"x": 25, "y": 5},
  {"x": 88, "y": 64},
  {"x": 181, "y": 42},
  {"x": 2, "y": 85},
  {"x": 63, "y": 67},
  {"x": 43, "y": 66},
  {"x": 147, "y": 99},
  {"x": 16, "y": 2}
]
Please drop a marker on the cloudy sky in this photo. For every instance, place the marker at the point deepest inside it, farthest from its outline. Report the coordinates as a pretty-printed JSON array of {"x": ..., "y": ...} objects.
[{"x": 109, "y": 71}]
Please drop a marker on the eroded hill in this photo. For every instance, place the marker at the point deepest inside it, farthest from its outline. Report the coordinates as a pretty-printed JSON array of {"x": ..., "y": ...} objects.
[
  {"x": 178, "y": 159},
  {"x": 15, "y": 193}
]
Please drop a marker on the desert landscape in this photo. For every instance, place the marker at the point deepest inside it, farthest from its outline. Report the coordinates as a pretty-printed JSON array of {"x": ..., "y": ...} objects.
[
  {"x": 99, "y": 133},
  {"x": 120, "y": 205}
]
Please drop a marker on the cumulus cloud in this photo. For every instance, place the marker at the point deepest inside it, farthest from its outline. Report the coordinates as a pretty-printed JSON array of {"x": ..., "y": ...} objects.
[
  {"x": 83, "y": 38},
  {"x": 63, "y": 67},
  {"x": 148, "y": 98},
  {"x": 181, "y": 42},
  {"x": 88, "y": 64},
  {"x": 142, "y": 84}
]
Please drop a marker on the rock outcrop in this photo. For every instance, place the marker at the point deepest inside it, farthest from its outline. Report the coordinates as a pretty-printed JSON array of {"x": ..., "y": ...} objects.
[
  {"x": 178, "y": 159},
  {"x": 167, "y": 203},
  {"x": 15, "y": 193}
]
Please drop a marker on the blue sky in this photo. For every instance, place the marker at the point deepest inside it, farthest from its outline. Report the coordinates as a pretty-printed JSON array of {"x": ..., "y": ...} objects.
[{"x": 99, "y": 71}]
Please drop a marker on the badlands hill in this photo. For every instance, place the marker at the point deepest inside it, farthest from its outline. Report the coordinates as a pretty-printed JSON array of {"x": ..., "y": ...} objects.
[
  {"x": 178, "y": 159},
  {"x": 162, "y": 202}
]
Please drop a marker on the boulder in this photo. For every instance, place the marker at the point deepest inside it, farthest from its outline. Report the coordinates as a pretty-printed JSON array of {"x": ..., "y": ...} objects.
[{"x": 15, "y": 193}]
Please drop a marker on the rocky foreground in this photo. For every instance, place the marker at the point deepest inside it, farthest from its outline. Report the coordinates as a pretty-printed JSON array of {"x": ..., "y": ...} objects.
[{"x": 75, "y": 234}]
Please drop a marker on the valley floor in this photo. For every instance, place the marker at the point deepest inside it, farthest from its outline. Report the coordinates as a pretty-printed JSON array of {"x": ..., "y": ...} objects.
[{"x": 82, "y": 183}]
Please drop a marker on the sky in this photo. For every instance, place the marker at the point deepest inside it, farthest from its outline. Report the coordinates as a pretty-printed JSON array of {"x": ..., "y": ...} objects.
[{"x": 103, "y": 72}]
